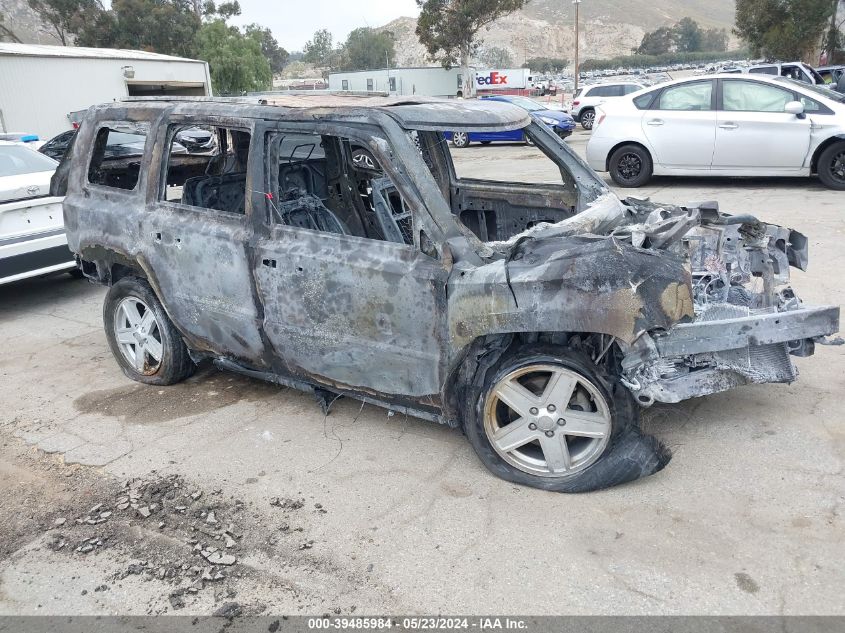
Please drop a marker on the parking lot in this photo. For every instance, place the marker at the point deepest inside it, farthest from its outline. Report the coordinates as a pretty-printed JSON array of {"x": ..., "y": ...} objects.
[{"x": 364, "y": 512}]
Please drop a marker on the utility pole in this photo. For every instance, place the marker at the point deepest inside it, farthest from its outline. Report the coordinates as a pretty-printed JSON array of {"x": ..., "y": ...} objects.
[{"x": 577, "y": 4}]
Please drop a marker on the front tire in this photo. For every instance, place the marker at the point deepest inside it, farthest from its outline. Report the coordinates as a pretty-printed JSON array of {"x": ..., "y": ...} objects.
[
  {"x": 588, "y": 117},
  {"x": 548, "y": 417},
  {"x": 145, "y": 343},
  {"x": 831, "y": 166},
  {"x": 460, "y": 139},
  {"x": 630, "y": 166}
]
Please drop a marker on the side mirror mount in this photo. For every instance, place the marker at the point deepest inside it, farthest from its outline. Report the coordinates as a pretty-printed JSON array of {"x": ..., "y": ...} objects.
[{"x": 796, "y": 108}]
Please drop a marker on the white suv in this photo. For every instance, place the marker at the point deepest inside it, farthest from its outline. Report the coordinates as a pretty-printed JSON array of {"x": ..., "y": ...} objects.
[{"x": 586, "y": 99}]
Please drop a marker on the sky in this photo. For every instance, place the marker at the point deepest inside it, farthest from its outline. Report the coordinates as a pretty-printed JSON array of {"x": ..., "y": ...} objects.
[{"x": 293, "y": 22}]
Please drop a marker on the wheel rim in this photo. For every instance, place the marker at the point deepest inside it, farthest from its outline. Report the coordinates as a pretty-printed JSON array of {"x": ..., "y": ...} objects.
[
  {"x": 630, "y": 166},
  {"x": 587, "y": 119},
  {"x": 837, "y": 167},
  {"x": 138, "y": 335},
  {"x": 364, "y": 160},
  {"x": 459, "y": 139},
  {"x": 547, "y": 420}
]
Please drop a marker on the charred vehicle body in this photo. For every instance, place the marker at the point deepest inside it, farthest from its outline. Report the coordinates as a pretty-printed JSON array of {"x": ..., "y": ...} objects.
[{"x": 538, "y": 318}]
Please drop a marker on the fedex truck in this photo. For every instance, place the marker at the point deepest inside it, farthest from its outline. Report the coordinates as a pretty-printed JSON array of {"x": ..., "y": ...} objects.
[{"x": 503, "y": 80}]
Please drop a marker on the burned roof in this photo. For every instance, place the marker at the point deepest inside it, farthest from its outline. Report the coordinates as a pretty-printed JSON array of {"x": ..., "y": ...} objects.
[{"x": 418, "y": 113}]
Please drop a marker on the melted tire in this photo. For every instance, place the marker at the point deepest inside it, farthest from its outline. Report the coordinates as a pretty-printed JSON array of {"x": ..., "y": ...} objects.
[
  {"x": 629, "y": 455},
  {"x": 176, "y": 364}
]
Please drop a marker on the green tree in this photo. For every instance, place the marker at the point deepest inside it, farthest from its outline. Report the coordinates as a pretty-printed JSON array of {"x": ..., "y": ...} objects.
[
  {"x": 276, "y": 56},
  {"x": 546, "y": 64},
  {"x": 449, "y": 29},
  {"x": 65, "y": 17},
  {"x": 235, "y": 60},
  {"x": 687, "y": 36},
  {"x": 783, "y": 29},
  {"x": 228, "y": 10},
  {"x": 714, "y": 40},
  {"x": 318, "y": 50},
  {"x": 496, "y": 57},
  {"x": 138, "y": 24},
  {"x": 367, "y": 48},
  {"x": 657, "y": 42}
]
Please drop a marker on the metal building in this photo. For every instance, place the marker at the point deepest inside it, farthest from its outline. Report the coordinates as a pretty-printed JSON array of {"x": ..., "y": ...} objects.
[
  {"x": 40, "y": 86},
  {"x": 433, "y": 81}
]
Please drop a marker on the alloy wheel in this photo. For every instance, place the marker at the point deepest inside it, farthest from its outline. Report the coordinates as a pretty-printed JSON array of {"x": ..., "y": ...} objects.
[
  {"x": 587, "y": 120},
  {"x": 837, "y": 167},
  {"x": 460, "y": 139},
  {"x": 138, "y": 335},
  {"x": 547, "y": 420},
  {"x": 630, "y": 166}
]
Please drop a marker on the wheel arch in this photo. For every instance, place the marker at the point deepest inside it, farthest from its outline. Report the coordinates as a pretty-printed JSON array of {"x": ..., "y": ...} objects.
[
  {"x": 622, "y": 144},
  {"x": 814, "y": 162},
  {"x": 108, "y": 266},
  {"x": 483, "y": 353}
]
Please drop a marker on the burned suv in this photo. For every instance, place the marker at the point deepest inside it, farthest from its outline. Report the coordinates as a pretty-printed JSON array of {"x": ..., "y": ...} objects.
[{"x": 537, "y": 317}]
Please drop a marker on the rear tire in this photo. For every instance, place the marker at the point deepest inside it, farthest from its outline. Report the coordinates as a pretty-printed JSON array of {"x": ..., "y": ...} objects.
[
  {"x": 588, "y": 117},
  {"x": 831, "y": 166},
  {"x": 144, "y": 341},
  {"x": 630, "y": 166},
  {"x": 530, "y": 452}
]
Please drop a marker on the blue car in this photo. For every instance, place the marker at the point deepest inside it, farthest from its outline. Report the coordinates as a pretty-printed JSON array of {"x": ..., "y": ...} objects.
[{"x": 559, "y": 121}]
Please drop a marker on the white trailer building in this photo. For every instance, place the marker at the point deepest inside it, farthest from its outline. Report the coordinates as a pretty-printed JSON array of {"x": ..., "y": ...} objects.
[
  {"x": 41, "y": 85},
  {"x": 433, "y": 81}
]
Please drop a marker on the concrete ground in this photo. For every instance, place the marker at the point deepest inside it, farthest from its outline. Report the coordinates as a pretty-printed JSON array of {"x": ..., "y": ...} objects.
[{"x": 397, "y": 515}]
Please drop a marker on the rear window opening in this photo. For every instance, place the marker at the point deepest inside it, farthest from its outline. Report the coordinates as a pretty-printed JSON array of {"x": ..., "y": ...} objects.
[{"x": 118, "y": 152}]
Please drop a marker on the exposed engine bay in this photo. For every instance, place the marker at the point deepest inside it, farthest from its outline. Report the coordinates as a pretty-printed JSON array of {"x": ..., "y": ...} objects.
[{"x": 739, "y": 273}]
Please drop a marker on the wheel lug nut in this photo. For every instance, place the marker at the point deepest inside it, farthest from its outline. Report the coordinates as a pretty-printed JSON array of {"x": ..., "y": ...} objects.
[
  {"x": 561, "y": 422},
  {"x": 550, "y": 433},
  {"x": 534, "y": 410},
  {"x": 552, "y": 408},
  {"x": 532, "y": 426}
]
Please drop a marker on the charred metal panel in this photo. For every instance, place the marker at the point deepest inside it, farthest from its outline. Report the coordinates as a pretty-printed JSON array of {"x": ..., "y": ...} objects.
[
  {"x": 578, "y": 284},
  {"x": 202, "y": 269},
  {"x": 352, "y": 312}
]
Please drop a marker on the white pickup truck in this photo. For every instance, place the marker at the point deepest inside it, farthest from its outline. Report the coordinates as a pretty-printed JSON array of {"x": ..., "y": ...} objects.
[{"x": 32, "y": 233}]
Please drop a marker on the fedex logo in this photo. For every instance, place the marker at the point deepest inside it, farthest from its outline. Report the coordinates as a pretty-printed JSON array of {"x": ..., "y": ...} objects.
[{"x": 494, "y": 78}]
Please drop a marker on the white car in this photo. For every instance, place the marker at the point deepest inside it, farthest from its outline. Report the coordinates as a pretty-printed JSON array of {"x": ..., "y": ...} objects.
[
  {"x": 588, "y": 98},
  {"x": 32, "y": 233},
  {"x": 722, "y": 125}
]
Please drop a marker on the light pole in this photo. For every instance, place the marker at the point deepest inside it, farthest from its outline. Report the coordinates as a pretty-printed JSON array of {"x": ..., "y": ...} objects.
[{"x": 576, "y": 3}]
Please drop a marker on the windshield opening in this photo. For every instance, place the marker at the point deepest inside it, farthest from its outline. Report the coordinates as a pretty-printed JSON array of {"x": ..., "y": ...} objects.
[{"x": 506, "y": 182}]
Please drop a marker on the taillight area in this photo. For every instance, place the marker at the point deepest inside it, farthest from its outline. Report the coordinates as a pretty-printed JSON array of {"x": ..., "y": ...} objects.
[
  {"x": 576, "y": 103},
  {"x": 599, "y": 118}
]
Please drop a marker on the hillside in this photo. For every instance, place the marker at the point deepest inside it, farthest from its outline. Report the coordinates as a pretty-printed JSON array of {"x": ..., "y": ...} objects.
[
  {"x": 25, "y": 23},
  {"x": 545, "y": 28}
]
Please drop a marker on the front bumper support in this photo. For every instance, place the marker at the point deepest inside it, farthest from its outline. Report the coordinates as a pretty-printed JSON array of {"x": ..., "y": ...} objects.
[{"x": 761, "y": 329}]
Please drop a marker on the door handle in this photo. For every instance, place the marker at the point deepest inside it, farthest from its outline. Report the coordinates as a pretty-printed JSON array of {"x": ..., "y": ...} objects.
[
  {"x": 728, "y": 126},
  {"x": 655, "y": 122},
  {"x": 270, "y": 263}
]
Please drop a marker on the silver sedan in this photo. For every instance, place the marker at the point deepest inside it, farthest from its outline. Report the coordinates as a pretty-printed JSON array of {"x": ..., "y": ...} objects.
[{"x": 722, "y": 125}]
